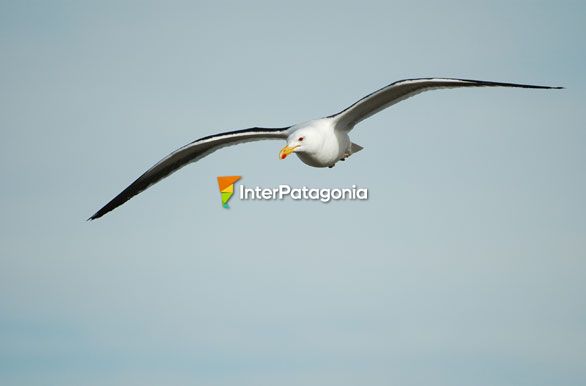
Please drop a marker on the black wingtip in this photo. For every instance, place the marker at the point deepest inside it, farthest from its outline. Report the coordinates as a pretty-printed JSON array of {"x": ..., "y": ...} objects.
[
  {"x": 96, "y": 215},
  {"x": 530, "y": 86},
  {"x": 553, "y": 87},
  {"x": 519, "y": 85},
  {"x": 99, "y": 213}
]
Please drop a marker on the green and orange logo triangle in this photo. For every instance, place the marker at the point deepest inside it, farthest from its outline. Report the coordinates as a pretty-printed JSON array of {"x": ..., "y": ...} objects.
[{"x": 226, "y": 185}]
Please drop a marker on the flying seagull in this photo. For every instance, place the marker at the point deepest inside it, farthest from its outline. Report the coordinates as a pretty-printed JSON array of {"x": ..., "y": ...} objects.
[{"x": 319, "y": 142}]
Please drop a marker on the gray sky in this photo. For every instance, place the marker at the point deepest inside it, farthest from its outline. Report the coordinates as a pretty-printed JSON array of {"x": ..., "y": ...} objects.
[{"x": 465, "y": 266}]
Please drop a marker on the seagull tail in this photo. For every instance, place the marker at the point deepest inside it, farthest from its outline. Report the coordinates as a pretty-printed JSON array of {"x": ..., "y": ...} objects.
[{"x": 355, "y": 148}]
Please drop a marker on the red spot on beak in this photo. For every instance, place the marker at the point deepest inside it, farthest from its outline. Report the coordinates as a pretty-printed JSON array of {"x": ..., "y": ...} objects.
[{"x": 283, "y": 156}]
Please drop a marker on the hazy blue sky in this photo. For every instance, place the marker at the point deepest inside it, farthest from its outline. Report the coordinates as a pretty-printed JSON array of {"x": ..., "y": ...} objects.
[{"x": 466, "y": 266}]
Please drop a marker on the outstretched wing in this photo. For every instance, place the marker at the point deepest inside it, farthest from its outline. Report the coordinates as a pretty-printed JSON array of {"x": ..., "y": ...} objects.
[
  {"x": 403, "y": 89},
  {"x": 187, "y": 154}
]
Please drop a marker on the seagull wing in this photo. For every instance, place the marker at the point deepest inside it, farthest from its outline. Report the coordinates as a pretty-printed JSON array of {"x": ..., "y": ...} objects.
[
  {"x": 187, "y": 154},
  {"x": 403, "y": 89}
]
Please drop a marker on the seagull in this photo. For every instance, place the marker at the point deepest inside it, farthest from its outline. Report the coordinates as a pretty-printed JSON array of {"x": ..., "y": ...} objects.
[{"x": 319, "y": 142}]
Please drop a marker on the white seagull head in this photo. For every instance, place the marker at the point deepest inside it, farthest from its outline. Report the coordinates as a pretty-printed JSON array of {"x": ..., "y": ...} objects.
[{"x": 303, "y": 140}]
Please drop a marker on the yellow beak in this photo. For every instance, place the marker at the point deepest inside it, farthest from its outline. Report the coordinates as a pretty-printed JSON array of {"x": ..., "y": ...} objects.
[{"x": 286, "y": 151}]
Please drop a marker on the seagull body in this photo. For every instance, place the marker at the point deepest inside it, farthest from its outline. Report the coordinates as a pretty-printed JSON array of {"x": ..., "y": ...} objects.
[{"x": 318, "y": 143}]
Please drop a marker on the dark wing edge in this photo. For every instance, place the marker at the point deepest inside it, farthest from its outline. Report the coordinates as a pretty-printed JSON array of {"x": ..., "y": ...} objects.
[
  {"x": 191, "y": 152},
  {"x": 406, "y": 88}
]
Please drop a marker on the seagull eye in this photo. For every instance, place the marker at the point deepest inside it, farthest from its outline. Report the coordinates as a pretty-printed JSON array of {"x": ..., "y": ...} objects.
[{"x": 301, "y": 139}]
